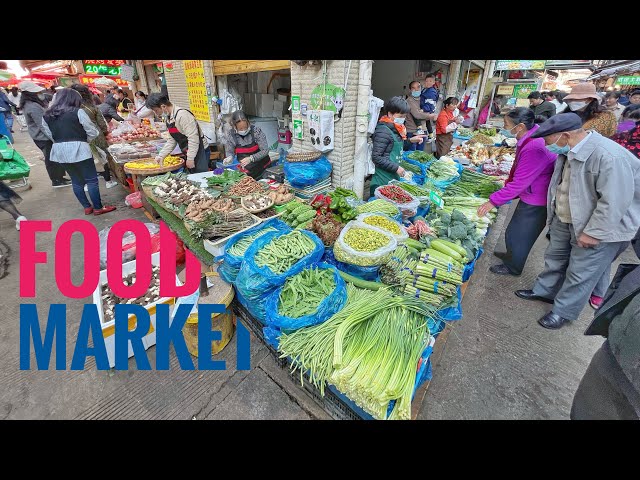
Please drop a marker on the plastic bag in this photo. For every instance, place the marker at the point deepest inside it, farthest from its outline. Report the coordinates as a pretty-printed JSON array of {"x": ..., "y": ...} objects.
[
  {"x": 272, "y": 336},
  {"x": 231, "y": 266},
  {"x": 304, "y": 174},
  {"x": 331, "y": 304},
  {"x": 417, "y": 178},
  {"x": 256, "y": 283},
  {"x": 365, "y": 273},
  {"x": 408, "y": 209},
  {"x": 345, "y": 253},
  {"x": 469, "y": 267},
  {"x": 400, "y": 237},
  {"x": 134, "y": 200},
  {"x": 124, "y": 127},
  {"x": 128, "y": 244},
  {"x": 451, "y": 314}
]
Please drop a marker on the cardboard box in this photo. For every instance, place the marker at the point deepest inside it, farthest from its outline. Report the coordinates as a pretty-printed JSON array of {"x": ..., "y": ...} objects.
[
  {"x": 283, "y": 98},
  {"x": 264, "y": 105},
  {"x": 278, "y": 107}
]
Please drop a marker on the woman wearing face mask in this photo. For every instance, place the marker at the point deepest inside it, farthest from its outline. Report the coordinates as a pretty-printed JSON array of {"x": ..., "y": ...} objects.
[
  {"x": 141, "y": 110},
  {"x": 248, "y": 143},
  {"x": 528, "y": 180},
  {"x": 415, "y": 117},
  {"x": 629, "y": 130},
  {"x": 185, "y": 132},
  {"x": 388, "y": 140},
  {"x": 585, "y": 102},
  {"x": 446, "y": 124}
]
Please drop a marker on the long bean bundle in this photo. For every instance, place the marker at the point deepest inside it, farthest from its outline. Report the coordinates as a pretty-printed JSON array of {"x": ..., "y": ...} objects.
[
  {"x": 302, "y": 293},
  {"x": 239, "y": 248},
  {"x": 281, "y": 253}
]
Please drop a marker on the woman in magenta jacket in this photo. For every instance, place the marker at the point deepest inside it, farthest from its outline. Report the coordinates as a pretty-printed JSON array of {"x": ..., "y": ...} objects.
[{"x": 528, "y": 180}]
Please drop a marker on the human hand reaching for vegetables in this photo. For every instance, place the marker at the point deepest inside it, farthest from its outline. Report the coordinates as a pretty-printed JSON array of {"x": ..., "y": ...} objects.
[
  {"x": 191, "y": 164},
  {"x": 158, "y": 160},
  {"x": 586, "y": 241},
  {"x": 401, "y": 171},
  {"x": 484, "y": 208},
  {"x": 246, "y": 160}
]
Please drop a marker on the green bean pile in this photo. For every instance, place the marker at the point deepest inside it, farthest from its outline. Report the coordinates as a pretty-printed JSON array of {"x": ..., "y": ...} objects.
[
  {"x": 302, "y": 293},
  {"x": 378, "y": 206},
  {"x": 281, "y": 253},
  {"x": 241, "y": 246}
]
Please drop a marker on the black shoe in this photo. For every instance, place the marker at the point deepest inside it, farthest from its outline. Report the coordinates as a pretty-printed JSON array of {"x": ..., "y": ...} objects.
[
  {"x": 502, "y": 270},
  {"x": 529, "y": 295},
  {"x": 60, "y": 183},
  {"x": 500, "y": 255},
  {"x": 553, "y": 321},
  {"x": 12, "y": 131}
]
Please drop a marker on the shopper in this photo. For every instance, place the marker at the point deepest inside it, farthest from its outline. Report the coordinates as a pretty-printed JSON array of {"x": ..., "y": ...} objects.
[
  {"x": 484, "y": 115},
  {"x": 610, "y": 388},
  {"x": 593, "y": 211},
  {"x": 142, "y": 111},
  {"x": 6, "y": 116},
  {"x": 32, "y": 105},
  {"x": 428, "y": 101},
  {"x": 7, "y": 199},
  {"x": 14, "y": 96},
  {"x": 629, "y": 130},
  {"x": 528, "y": 180},
  {"x": 71, "y": 131},
  {"x": 634, "y": 97},
  {"x": 555, "y": 98},
  {"x": 99, "y": 145},
  {"x": 388, "y": 139},
  {"x": 611, "y": 103},
  {"x": 446, "y": 124},
  {"x": 542, "y": 109},
  {"x": 108, "y": 109},
  {"x": 415, "y": 117},
  {"x": 585, "y": 102},
  {"x": 184, "y": 130},
  {"x": 248, "y": 143}
]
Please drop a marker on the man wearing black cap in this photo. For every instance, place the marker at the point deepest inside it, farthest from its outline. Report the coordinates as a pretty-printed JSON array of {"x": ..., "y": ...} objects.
[{"x": 593, "y": 211}]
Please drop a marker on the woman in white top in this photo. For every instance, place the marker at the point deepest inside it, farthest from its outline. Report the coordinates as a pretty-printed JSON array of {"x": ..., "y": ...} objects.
[{"x": 141, "y": 110}]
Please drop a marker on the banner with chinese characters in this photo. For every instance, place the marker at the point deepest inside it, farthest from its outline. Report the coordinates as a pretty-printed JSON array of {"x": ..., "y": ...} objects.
[
  {"x": 520, "y": 64},
  {"x": 90, "y": 80},
  {"x": 196, "y": 87},
  {"x": 628, "y": 80},
  {"x": 103, "y": 67}
]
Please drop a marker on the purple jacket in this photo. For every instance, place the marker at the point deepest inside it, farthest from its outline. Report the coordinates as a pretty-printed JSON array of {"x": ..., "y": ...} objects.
[{"x": 532, "y": 176}]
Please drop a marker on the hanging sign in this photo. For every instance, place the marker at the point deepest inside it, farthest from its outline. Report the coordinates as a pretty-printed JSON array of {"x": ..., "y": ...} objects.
[
  {"x": 197, "y": 89},
  {"x": 327, "y": 97},
  {"x": 298, "y": 129},
  {"x": 628, "y": 80},
  {"x": 520, "y": 64},
  {"x": 295, "y": 104},
  {"x": 127, "y": 72},
  {"x": 522, "y": 90},
  {"x": 103, "y": 67},
  {"x": 505, "y": 90},
  {"x": 90, "y": 80}
]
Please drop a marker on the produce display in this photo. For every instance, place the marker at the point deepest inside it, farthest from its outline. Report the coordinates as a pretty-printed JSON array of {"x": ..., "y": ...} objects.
[
  {"x": 339, "y": 206},
  {"x": 384, "y": 223},
  {"x": 198, "y": 209},
  {"x": 281, "y": 196},
  {"x": 281, "y": 253},
  {"x": 482, "y": 138},
  {"x": 395, "y": 194},
  {"x": 268, "y": 213},
  {"x": 327, "y": 228},
  {"x": 302, "y": 293},
  {"x": 422, "y": 157},
  {"x": 410, "y": 167},
  {"x": 442, "y": 170},
  {"x": 177, "y": 191},
  {"x": 225, "y": 179},
  {"x": 458, "y": 229},
  {"x": 297, "y": 214},
  {"x": 219, "y": 225},
  {"x": 476, "y": 184},
  {"x": 150, "y": 164},
  {"x": 239, "y": 248},
  {"x": 257, "y": 202},
  {"x": 364, "y": 240},
  {"x": 110, "y": 300},
  {"x": 378, "y": 206},
  {"x": 419, "y": 229},
  {"x": 123, "y": 152},
  {"x": 136, "y": 133},
  {"x": 363, "y": 245},
  {"x": 488, "y": 131},
  {"x": 464, "y": 132},
  {"x": 245, "y": 186}
]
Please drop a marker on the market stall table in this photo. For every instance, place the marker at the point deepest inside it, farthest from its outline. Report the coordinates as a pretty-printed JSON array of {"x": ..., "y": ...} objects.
[{"x": 138, "y": 176}]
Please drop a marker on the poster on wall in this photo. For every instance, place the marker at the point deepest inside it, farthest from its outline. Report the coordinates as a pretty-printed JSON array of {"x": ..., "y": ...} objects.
[
  {"x": 327, "y": 97},
  {"x": 522, "y": 90},
  {"x": 505, "y": 90},
  {"x": 298, "y": 129},
  {"x": 196, "y": 87}
]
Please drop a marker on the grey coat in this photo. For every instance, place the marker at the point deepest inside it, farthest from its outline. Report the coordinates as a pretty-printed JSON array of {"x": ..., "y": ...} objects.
[
  {"x": 604, "y": 193},
  {"x": 33, "y": 113}
]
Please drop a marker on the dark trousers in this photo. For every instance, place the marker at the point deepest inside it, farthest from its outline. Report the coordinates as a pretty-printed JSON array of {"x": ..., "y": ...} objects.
[
  {"x": 408, "y": 146},
  {"x": 82, "y": 173},
  {"x": 525, "y": 227},
  {"x": 54, "y": 170},
  {"x": 605, "y": 392}
]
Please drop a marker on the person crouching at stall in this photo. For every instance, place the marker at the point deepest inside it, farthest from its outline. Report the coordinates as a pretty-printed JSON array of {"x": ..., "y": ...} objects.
[
  {"x": 184, "y": 130},
  {"x": 446, "y": 124},
  {"x": 388, "y": 140},
  {"x": 249, "y": 144}
]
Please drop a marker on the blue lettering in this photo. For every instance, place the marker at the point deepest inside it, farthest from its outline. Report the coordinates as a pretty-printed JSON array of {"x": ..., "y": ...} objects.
[
  {"x": 244, "y": 347},
  {"x": 29, "y": 324},
  {"x": 206, "y": 336},
  {"x": 90, "y": 322},
  {"x": 166, "y": 334},
  {"x": 123, "y": 336}
]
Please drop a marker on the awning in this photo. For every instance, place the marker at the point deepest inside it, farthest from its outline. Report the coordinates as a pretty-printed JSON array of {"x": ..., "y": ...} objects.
[
  {"x": 230, "y": 67},
  {"x": 620, "y": 69}
]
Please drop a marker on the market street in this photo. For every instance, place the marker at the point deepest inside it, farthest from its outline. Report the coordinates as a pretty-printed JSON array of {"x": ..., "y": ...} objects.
[{"x": 498, "y": 362}]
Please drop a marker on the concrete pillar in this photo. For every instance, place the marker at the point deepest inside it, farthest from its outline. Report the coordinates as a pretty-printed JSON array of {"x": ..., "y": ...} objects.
[
  {"x": 453, "y": 77},
  {"x": 362, "y": 122}
]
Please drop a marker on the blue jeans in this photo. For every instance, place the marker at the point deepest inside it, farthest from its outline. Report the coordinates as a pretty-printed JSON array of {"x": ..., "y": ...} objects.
[
  {"x": 82, "y": 173},
  {"x": 4, "y": 128},
  {"x": 408, "y": 146},
  {"x": 9, "y": 119}
]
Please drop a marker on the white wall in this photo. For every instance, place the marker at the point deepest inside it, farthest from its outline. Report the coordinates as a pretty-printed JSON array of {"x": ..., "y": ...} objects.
[{"x": 389, "y": 77}]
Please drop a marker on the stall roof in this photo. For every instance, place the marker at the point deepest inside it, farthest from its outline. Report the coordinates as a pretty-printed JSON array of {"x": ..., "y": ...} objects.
[{"x": 628, "y": 67}]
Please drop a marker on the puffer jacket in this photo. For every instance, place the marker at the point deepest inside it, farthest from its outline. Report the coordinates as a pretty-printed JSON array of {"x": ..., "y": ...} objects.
[{"x": 383, "y": 138}]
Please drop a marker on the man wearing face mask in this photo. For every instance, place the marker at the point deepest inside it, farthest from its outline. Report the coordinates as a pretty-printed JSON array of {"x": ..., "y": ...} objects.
[
  {"x": 593, "y": 211},
  {"x": 248, "y": 143},
  {"x": 415, "y": 116},
  {"x": 542, "y": 109},
  {"x": 185, "y": 132}
]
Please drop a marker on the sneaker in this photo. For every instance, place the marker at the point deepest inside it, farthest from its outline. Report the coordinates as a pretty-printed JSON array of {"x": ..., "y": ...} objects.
[
  {"x": 61, "y": 183},
  {"x": 595, "y": 301},
  {"x": 86, "y": 188},
  {"x": 88, "y": 210},
  {"x": 105, "y": 209},
  {"x": 111, "y": 184},
  {"x": 18, "y": 220}
]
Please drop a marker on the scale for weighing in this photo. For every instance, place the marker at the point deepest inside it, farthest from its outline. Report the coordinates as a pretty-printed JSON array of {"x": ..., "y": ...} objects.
[
  {"x": 275, "y": 173},
  {"x": 311, "y": 191}
]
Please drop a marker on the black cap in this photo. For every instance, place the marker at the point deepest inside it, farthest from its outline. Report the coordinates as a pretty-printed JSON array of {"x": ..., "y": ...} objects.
[{"x": 564, "y": 122}]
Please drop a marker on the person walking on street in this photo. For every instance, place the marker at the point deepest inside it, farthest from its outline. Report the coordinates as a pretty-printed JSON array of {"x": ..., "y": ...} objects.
[
  {"x": 611, "y": 104},
  {"x": 32, "y": 105},
  {"x": 8, "y": 199},
  {"x": 14, "y": 97},
  {"x": 415, "y": 117},
  {"x": 593, "y": 209},
  {"x": 184, "y": 130},
  {"x": 528, "y": 180},
  {"x": 446, "y": 124},
  {"x": 542, "y": 109},
  {"x": 610, "y": 388},
  {"x": 71, "y": 130},
  {"x": 6, "y": 117},
  {"x": 585, "y": 102}
]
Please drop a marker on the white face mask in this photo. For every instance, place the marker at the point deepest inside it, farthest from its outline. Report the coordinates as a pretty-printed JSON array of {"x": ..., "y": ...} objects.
[
  {"x": 576, "y": 106},
  {"x": 242, "y": 133},
  {"x": 399, "y": 120}
]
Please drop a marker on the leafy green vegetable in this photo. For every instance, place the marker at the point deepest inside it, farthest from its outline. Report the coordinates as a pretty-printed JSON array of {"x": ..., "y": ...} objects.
[
  {"x": 225, "y": 179},
  {"x": 421, "y": 157}
]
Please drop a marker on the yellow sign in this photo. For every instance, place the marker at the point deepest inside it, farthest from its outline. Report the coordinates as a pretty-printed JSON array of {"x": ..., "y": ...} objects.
[
  {"x": 196, "y": 86},
  {"x": 505, "y": 90},
  {"x": 522, "y": 102}
]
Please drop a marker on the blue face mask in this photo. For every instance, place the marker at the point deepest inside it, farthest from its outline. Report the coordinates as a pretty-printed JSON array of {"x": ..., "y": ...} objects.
[
  {"x": 555, "y": 148},
  {"x": 399, "y": 120},
  {"x": 507, "y": 133},
  {"x": 415, "y": 93}
]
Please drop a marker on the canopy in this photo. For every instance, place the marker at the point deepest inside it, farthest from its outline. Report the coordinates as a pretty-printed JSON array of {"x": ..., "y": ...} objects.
[{"x": 629, "y": 67}]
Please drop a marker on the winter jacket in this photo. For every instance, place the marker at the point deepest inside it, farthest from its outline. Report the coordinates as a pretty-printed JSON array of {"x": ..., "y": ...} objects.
[
  {"x": 383, "y": 140},
  {"x": 108, "y": 109},
  {"x": 532, "y": 176},
  {"x": 429, "y": 99},
  {"x": 5, "y": 104},
  {"x": 544, "y": 111},
  {"x": 604, "y": 190},
  {"x": 415, "y": 116},
  {"x": 33, "y": 113}
]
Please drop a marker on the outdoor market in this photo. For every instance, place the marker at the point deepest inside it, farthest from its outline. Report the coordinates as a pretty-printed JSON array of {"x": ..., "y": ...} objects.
[{"x": 341, "y": 222}]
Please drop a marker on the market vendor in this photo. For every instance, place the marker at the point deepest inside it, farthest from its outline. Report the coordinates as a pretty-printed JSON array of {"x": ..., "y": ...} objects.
[
  {"x": 388, "y": 140},
  {"x": 123, "y": 102},
  {"x": 248, "y": 143},
  {"x": 142, "y": 111},
  {"x": 184, "y": 130},
  {"x": 446, "y": 124}
]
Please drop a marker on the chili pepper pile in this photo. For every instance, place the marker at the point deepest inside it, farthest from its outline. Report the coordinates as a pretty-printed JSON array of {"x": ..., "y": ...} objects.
[{"x": 396, "y": 194}]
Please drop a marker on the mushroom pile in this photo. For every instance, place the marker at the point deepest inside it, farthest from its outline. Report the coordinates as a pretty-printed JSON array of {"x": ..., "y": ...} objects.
[{"x": 110, "y": 300}]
